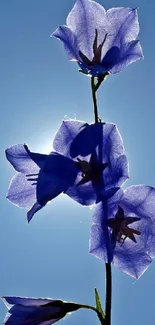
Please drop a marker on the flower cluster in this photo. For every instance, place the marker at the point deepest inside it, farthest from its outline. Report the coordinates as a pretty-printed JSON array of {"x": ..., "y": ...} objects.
[
  {"x": 90, "y": 166},
  {"x": 88, "y": 162}
]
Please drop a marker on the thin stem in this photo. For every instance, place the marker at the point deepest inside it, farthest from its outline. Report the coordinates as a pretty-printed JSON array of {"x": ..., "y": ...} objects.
[
  {"x": 108, "y": 294},
  {"x": 94, "y": 99},
  {"x": 97, "y": 312}
]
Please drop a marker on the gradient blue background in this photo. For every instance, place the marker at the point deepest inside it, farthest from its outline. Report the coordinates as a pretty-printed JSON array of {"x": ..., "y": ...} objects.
[{"x": 39, "y": 87}]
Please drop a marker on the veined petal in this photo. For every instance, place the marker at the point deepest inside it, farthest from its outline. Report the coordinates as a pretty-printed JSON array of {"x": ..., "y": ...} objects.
[
  {"x": 76, "y": 138},
  {"x": 65, "y": 34},
  {"x": 22, "y": 191},
  {"x": 117, "y": 172},
  {"x": 65, "y": 135},
  {"x": 85, "y": 17},
  {"x": 129, "y": 53},
  {"x": 34, "y": 190},
  {"x": 133, "y": 257},
  {"x": 23, "y": 160},
  {"x": 123, "y": 26},
  {"x": 99, "y": 243},
  {"x": 133, "y": 262},
  {"x": 139, "y": 200}
]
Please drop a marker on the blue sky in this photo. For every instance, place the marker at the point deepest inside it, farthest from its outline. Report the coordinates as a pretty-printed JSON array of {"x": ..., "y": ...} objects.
[{"x": 40, "y": 87}]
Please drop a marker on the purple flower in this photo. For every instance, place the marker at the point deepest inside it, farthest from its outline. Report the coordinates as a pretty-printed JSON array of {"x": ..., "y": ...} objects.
[
  {"x": 28, "y": 311},
  {"x": 100, "y": 41},
  {"x": 123, "y": 230},
  {"x": 88, "y": 164}
]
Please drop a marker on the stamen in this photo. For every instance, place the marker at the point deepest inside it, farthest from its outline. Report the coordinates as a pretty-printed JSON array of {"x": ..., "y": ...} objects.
[
  {"x": 120, "y": 229},
  {"x": 91, "y": 171},
  {"x": 97, "y": 50}
]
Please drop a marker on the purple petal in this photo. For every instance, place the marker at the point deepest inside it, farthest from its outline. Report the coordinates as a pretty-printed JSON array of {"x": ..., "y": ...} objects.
[
  {"x": 65, "y": 135},
  {"x": 139, "y": 201},
  {"x": 34, "y": 190},
  {"x": 83, "y": 194},
  {"x": 132, "y": 257},
  {"x": 85, "y": 17},
  {"x": 76, "y": 138},
  {"x": 123, "y": 26},
  {"x": 117, "y": 172},
  {"x": 36, "y": 207},
  {"x": 57, "y": 176},
  {"x": 64, "y": 34},
  {"x": 99, "y": 243},
  {"x": 23, "y": 160},
  {"x": 21, "y": 191},
  {"x": 132, "y": 261},
  {"x": 10, "y": 301},
  {"x": 130, "y": 53}
]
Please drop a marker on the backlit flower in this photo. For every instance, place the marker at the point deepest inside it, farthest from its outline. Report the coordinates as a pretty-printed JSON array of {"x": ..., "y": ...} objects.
[
  {"x": 88, "y": 164},
  {"x": 28, "y": 311},
  {"x": 123, "y": 230},
  {"x": 100, "y": 41}
]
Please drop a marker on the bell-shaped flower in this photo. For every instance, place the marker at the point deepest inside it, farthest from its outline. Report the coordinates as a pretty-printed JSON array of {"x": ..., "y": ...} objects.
[
  {"x": 88, "y": 162},
  {"x": 28, "y": 311},
  {"x": 123, "y": 229},
  {"x": 100, "y": 41},
  {"x": 97, "y": 150}
]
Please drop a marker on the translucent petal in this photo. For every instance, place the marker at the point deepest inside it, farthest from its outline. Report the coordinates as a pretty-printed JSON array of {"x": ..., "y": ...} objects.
[
  {"x": 22, "y": 192},
  {"x": 23, "y": 160},
  {"x": 85, "y": 17},
  {"x": 123, "y": 26},
  {"x": 64, "y": 34}
]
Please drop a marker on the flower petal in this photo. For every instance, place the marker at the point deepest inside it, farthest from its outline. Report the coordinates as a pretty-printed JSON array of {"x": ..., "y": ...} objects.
[
  {"x": 85, "y": 17},
  {"x": 99, "y": 243},
  {"x": 64, "y": 34},
  {"x": 57, "y": 176},
  {"x": 83, "y": 194},
  {"x": 21, "y": 191},
  {"x": 123, "y": 26},
  {"x": 36, "y": 207},
  {"x": 132, "y": 257},
  {"x": 130, "y": 53},
  {"x": 139, "y": 201},
  {"x": 65, "y": 135},
  {"x": 10, "y": 301},
  {"x": 23, "y": 160},
  {"x": 34, "y": 190},
  {"x": 76, "y": 138},
  {"x": 132, "y": 261}
]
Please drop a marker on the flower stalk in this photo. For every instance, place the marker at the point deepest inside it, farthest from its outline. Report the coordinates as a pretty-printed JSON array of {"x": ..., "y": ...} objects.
[
  {"x": 108, "y": 294},
  {"x": 93, "y": 87}
]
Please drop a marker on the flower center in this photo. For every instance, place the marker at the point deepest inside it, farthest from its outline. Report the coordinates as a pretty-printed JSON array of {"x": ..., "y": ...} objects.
[
  {"x": 91, "y": 171},
  {"x": 97, "y": 51},
  {"x": 120, "y": 229}
]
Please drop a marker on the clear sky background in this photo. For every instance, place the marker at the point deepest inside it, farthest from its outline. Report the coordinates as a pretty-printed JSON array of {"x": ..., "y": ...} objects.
[{"x": 39, "y": 87}]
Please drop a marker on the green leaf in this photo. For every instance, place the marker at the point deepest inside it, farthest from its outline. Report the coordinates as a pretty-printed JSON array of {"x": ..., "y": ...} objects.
[{"x": 98, "y": 304}]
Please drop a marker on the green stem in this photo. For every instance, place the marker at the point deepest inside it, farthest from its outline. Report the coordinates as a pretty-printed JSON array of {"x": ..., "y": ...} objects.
[
  {"x": 108, "y": 294},
  {"x": 97, "y": 312},
  {"x": 93, "y": 87}
]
